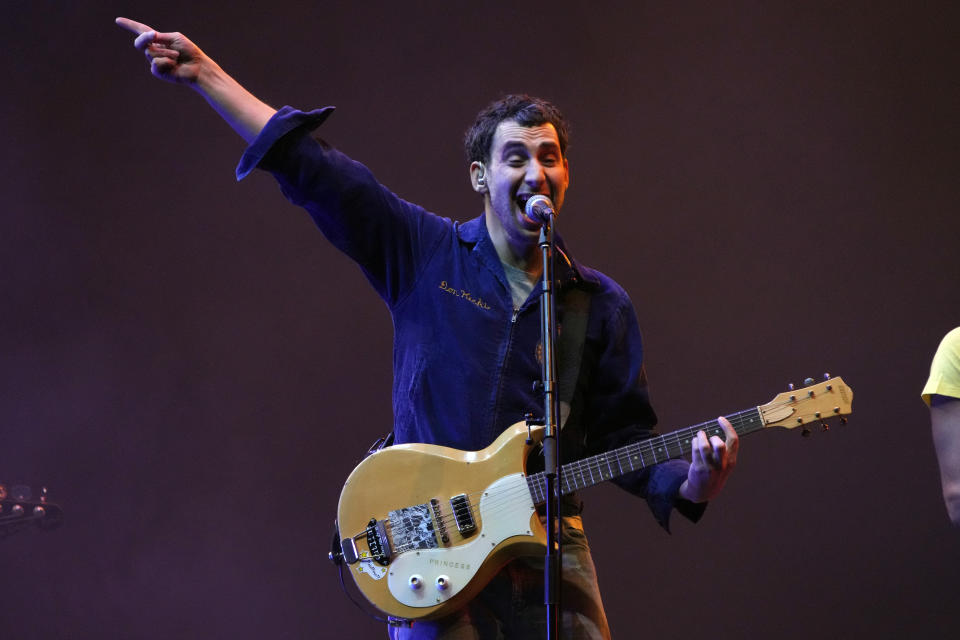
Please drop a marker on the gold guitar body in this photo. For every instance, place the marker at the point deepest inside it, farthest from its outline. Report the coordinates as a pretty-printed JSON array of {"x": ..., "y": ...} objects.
[{"x": 419, "y": 583}]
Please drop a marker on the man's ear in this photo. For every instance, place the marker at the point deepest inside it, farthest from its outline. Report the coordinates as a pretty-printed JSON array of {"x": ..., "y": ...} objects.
[{"x": 478, "y": 176}]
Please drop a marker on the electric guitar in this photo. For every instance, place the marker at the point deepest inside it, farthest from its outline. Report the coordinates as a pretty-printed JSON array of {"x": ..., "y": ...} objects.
[
  {"x": 423, "y": 527},
  {"x": 18, "y": 510}
]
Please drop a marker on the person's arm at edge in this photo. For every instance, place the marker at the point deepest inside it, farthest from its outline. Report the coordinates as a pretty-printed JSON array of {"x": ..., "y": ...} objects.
[
  {"x": 175, "y": 58},
  {"x": 945, "y": 425}
]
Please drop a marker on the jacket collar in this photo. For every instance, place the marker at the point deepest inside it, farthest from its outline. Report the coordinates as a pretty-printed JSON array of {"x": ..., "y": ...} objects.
[{"x": 569, "y": 271}]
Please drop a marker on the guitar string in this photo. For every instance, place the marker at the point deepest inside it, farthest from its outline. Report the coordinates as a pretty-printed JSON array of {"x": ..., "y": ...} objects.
[
  {"x": 535, "y": 484},
  {"x": 636, "y": 455},
  {"x": 646, "y": 449},
  {"x": 578, "y": 468},
  {"x": 658, "y": 448},
  {"x": 535, "y": 488}
]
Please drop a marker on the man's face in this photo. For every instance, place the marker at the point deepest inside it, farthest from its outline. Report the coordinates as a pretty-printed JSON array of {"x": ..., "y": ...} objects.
[{"x": 524, "y": 161}]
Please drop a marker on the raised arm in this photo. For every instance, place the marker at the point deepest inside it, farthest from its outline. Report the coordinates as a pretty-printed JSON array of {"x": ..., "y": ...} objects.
[{"x": 174, "y": 58}]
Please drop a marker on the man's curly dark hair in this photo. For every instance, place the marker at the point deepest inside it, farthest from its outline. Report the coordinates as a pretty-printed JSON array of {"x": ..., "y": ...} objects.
[{"x": 525, "y": 110}]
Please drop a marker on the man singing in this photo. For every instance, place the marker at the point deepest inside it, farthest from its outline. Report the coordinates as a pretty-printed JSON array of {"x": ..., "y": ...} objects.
[{"x": 467, "y": 327}]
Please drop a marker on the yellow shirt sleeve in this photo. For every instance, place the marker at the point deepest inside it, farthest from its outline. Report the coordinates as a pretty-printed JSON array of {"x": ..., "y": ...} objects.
[{"x": 944, "y": 377}]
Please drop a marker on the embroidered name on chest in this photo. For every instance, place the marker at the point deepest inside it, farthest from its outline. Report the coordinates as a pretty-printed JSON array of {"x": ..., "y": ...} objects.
[{"x": 463, "y": 294}]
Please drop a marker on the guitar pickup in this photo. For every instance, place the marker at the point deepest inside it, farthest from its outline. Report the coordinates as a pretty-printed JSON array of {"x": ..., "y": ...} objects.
[{"x": 463, "y": 514}]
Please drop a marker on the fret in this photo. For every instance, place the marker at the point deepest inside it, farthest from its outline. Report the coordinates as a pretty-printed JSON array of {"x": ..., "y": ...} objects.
[
  {"x": 657, "y": 450},
  {"x": 674, "y": 448},
  {"x": 633, "y": 457},
  {"x": 644, "y": 458},
  {"x": 533, "y": 483},
  {"x": 749, "y": 421},
  {"x": 577, "y": 477},
  {"x": 638, "y": 455},
  {"x": 583, "y": 480},
  {"x": 609, "y": 467}
]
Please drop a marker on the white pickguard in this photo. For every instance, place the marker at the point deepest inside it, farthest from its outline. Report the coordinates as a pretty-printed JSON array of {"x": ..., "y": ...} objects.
[{"x": 505, "y": 511}]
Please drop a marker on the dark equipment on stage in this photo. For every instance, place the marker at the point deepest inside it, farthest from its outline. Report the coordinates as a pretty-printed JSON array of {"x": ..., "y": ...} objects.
[{"x": 19, "y": 510}]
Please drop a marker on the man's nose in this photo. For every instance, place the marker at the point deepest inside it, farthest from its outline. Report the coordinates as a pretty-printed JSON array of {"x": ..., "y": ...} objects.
[{"x": 535, "y": 175}]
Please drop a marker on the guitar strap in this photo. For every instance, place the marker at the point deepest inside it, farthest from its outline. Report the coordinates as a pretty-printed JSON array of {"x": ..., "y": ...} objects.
[{"x": 570, "y": 341}]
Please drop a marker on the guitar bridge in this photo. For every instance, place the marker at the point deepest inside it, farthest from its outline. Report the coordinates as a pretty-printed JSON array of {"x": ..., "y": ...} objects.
[{"x": 463, "y": 514}]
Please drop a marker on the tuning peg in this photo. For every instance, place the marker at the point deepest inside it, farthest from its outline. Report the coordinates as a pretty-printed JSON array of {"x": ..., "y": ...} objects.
[
  {"x": 790, "y": 386},
  {"x": 805, "y": 433},
  {"x": 824, "y": 426},
  {"x": 826, "y": 376},
  {"x": 807, "y": 382},
  {"x": 843, "y": 420}
]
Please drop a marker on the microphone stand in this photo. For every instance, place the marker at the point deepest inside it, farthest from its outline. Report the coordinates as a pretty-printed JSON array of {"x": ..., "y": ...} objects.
[{"x": 551, "y": 439}]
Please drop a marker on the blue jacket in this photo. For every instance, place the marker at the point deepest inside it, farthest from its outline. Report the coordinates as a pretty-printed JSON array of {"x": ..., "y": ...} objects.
[{"x": 464, "y": 360}]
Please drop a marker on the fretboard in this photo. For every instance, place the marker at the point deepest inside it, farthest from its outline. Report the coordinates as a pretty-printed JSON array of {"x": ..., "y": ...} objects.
[{"x": 639, "y": 455}]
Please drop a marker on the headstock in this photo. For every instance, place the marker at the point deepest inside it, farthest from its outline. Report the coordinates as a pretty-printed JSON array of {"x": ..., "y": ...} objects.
[
  {"x": 814, "y": 403},
  {"x": 19, "y": 508}
]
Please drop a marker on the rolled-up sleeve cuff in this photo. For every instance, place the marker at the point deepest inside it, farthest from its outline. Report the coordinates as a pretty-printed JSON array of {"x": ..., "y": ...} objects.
[
  {"x": 663, "y": 494},
  {"x": 283, "y": 122}
]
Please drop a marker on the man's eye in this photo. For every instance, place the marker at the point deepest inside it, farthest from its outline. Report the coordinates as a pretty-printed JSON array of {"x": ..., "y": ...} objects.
[{"x": 516, "y": 161}]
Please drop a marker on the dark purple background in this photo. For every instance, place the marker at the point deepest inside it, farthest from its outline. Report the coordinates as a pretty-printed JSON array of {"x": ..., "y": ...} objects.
[{"x": 194, "y": 372}]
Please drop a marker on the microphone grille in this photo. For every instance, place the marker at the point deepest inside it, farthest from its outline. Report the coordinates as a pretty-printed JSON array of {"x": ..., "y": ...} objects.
[{"x": 539, "y": 208}]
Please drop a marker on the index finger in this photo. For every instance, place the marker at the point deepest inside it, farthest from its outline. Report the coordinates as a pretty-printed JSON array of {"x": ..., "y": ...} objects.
[
  {"x": 133, "y": 25},
  {"x": 731, "y": 433}
]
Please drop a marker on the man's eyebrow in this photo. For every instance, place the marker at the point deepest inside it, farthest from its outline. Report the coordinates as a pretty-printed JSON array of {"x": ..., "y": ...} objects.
[{"x": 514, "y": 145}]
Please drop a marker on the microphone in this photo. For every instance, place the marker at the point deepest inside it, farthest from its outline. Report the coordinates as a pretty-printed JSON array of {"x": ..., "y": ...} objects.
[{"x": 539, "y": 210}]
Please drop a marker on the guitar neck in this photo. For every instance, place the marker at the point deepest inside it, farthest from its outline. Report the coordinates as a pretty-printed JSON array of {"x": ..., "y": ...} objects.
[{"x": 639, "y": 455}]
